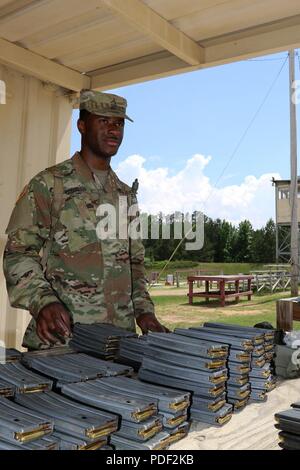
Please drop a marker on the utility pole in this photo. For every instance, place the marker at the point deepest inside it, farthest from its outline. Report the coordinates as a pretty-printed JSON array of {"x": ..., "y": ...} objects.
[{"x": 294, "y": 181}]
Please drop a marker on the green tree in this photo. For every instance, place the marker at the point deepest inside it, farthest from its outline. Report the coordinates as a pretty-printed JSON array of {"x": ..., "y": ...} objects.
[
  {"x": 223, "y": 242},
  {"x": 270, "y": 241},
  {"x": 243, "y": 244},
  {"x": 230, "y": 237},
  {"x": 264, "y": 244}
]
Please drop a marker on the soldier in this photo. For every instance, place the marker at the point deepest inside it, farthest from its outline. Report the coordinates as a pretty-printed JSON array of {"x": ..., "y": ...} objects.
[{"x": 79, "y": 277}]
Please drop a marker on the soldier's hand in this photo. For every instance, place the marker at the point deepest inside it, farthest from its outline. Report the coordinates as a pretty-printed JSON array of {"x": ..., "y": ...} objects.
[
  {"x": 53, "y": 323},
  {"x": 148, "y": 322}
]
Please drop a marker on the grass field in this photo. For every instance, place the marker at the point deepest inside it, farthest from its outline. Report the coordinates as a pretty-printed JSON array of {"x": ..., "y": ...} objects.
[
  {"x": 174, "y": 311},
  {"x": 183, "y": 266}
]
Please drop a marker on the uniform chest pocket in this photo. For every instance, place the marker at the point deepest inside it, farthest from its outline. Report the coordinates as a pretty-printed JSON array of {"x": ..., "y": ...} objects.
[{"x": 76, "y": 228}]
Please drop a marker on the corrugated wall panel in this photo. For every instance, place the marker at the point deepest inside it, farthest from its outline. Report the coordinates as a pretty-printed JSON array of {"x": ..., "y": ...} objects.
[{"x": 35, "y": 132}]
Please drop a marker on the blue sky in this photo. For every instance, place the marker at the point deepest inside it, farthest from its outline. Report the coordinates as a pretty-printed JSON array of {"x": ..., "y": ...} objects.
[{"x": 205, "y": 113}]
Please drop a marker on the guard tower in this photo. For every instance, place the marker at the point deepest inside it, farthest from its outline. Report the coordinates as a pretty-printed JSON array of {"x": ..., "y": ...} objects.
[{"x": 283, "y": 219}]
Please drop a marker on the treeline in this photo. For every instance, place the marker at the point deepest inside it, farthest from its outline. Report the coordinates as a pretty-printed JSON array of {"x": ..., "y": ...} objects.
[{"x": 223, "y": 242}]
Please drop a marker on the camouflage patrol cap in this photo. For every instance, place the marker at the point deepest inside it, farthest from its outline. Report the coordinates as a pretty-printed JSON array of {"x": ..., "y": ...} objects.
[{"x": 103, "y": 104}]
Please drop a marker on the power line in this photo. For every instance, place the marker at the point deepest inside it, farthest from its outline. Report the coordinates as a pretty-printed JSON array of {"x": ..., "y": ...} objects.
[{"x": 248, "y": 127}]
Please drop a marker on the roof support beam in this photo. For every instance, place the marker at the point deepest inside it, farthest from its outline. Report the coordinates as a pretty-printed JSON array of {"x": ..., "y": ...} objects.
[
  {"x": 266, "y": 39},
  {"x": 45, "y": 69},
  {"x": 262, "y": 40},
  {"x": 148, "y": 22}
]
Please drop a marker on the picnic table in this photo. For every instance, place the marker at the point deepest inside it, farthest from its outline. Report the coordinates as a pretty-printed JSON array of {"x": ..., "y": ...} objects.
[{"x": 222, "y": 281}]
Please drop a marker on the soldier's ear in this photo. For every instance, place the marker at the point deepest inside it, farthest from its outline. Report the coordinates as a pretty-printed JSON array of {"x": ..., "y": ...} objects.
[{"x": 81, "y": 126}]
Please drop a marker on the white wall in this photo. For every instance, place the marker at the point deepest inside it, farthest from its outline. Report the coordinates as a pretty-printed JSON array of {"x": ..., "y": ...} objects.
[{"x": 35, "y": 132}]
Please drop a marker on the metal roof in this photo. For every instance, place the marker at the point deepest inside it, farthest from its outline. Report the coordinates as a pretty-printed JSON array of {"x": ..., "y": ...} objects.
[
  {"x": 105, "y": 44},
  {"x": 282, "y": 182}
]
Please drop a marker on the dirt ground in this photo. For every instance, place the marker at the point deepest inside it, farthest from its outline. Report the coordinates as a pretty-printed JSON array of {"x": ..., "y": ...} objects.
[
  {"x": 157, "y": 291},
  {"x": 251, "y": 429}
]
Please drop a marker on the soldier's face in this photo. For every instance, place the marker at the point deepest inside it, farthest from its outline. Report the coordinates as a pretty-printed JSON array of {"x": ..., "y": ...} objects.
[{"x": 102, "y": 134}]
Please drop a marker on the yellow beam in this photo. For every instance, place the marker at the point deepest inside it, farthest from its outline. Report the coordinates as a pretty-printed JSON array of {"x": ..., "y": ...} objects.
[
  {"x": 150, "y": 23},
  {"x": 252, "y": 42},
  {"x": 147, "y": 68},
  {"x": 45, "y": 69},
  {"x": 266, "y": 39}
]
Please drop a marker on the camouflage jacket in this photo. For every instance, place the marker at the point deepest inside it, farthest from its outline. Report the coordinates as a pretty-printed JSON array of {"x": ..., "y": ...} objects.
[{"x": 96, "y": 280}]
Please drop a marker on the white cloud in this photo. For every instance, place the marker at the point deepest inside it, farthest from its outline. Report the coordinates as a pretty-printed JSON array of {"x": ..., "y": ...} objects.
[{"x": 190, "y": 189}]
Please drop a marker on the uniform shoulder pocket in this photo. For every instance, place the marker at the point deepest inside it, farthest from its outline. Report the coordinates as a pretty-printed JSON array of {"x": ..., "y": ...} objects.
[{"x": 22, "y": 215}]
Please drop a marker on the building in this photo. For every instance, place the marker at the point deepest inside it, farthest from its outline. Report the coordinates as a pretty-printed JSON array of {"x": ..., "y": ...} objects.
[{"x": 283, "y": 219}]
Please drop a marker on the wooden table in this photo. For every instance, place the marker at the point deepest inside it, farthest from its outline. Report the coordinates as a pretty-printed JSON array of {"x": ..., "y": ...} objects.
[{"x": 221, "y": 293}]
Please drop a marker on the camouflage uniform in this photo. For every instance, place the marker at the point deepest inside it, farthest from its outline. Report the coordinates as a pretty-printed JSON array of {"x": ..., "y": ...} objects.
[{"x": 96, "y": 280}]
